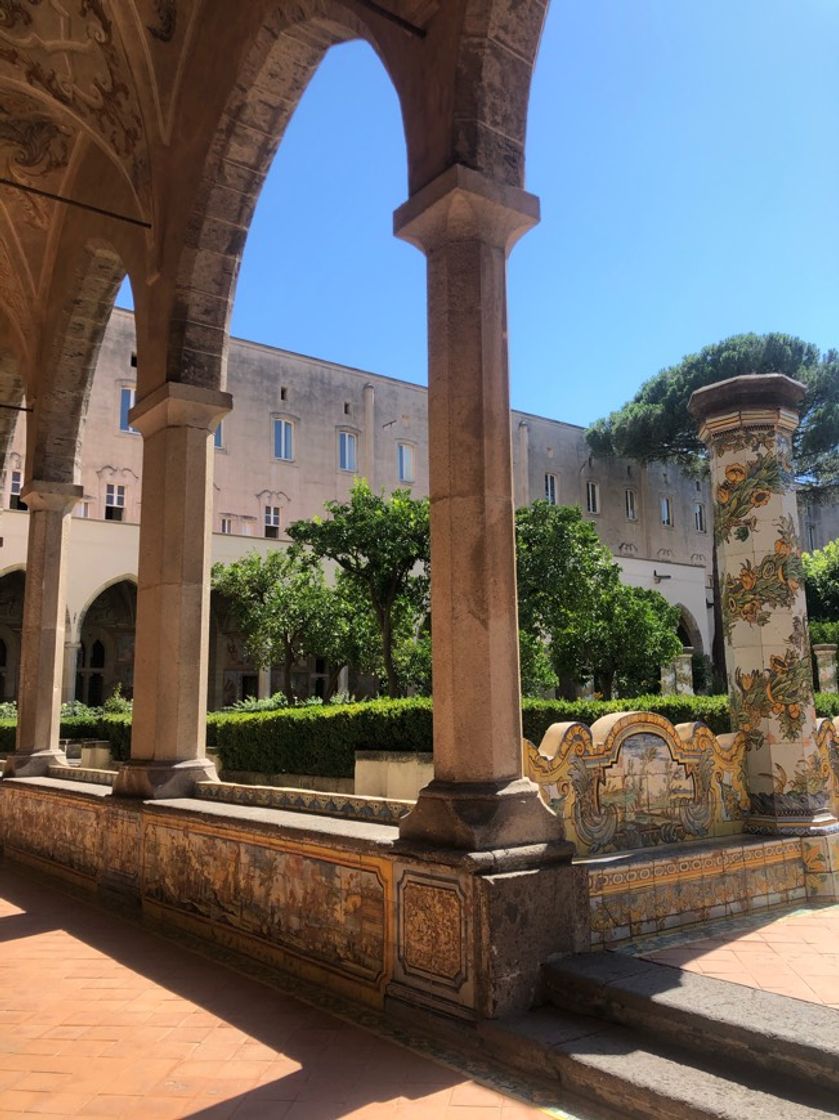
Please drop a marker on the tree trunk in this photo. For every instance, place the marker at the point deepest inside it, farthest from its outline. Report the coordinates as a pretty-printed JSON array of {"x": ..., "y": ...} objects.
[
  {"x": 387, "y": 654},
  {"x": 288, "y": 664}
]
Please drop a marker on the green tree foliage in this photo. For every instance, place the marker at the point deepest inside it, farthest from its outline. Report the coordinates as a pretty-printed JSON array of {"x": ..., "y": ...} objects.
[
  {"x": 382, "y": 547},
  {"x": 821, "y": 576},
  {"x": 656, "y": 425},
  {"x": 576, "y": 617},
  {"x": 281, "y": 604}
]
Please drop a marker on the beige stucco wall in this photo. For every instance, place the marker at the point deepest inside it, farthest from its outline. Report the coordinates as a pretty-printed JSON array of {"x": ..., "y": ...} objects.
[{"x": 321, "y": 399}]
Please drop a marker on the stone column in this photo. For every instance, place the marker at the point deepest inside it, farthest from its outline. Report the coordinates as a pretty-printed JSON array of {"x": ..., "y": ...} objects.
[
  {"x": 42, "y": 634},
  {"x": 173, "y": 592},
  {"x": 71, "y": 668},
  {"x": 747, "y": 424},
  {"x": 466, "y": 225},
  {"x": 826, "y": 666}
]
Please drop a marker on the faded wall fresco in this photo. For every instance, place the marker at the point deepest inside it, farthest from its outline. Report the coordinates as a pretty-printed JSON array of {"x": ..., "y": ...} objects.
[{"x": 633, "y": 780}]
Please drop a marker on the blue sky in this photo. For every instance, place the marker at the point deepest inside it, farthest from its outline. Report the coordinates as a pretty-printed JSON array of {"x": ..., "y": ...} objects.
[{"x": 686, "y": 159}]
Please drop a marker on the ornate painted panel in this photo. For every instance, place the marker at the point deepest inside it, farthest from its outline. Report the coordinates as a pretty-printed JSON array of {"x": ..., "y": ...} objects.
[
  {"x": 633, "y": 780},
  {"x": 331, "y": 911}
]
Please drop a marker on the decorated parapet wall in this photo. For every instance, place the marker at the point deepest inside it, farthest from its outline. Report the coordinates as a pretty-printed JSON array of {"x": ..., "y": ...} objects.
[{"x": 632, "y": 780}]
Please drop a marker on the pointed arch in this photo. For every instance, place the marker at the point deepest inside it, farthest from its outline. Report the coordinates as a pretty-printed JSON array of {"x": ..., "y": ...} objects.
[{"x": 284, "y": 53}]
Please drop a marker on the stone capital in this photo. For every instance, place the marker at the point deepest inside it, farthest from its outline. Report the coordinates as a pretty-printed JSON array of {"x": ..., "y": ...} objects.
[
  {"x": 177, "y": 405},
  {"x": 761, "y": 400},
  {"x": 464, "y": 205},
  {"x": 57, "y": 496}
]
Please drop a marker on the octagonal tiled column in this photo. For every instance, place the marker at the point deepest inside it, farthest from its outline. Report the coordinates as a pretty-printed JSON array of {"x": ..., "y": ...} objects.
[{"x": 747, "y": 424}]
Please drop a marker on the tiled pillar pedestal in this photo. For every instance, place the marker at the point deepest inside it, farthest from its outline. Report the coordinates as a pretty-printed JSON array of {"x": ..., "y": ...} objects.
[
  {"x": 747, "y": 424},
  {"x": 826, "y": 666},
  {"x": 487, "y": 889},
  {"x": 42, "y": 636},
  {"x": 168, "y": 738}
]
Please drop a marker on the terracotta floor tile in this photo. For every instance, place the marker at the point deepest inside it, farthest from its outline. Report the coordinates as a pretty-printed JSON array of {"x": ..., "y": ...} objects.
[
  {"x": 102, "y": 1019},
  {"x": 795, "y": 955}
]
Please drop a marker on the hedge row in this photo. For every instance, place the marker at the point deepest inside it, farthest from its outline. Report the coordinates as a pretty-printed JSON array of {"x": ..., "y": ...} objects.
[
  {"x": 116, "y": 729},
  {"x": 323, "y": 740}
]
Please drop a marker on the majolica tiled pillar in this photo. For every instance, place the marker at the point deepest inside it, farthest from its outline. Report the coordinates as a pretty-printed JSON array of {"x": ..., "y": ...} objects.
[
  {"x": 168, "y": 738},
  {"x": 42, "y": 636},
  {"x": 747, "y": 424},
  {"x": 466, "y": 225},
  {"x": 826, "y": 666}
]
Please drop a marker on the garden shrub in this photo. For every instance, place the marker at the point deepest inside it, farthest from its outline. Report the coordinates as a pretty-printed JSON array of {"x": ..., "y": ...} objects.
[{"x": 323, "y": 740}]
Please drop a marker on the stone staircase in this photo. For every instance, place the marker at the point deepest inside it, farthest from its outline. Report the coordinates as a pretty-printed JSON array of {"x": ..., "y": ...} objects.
[{"x": 643, "y": 1041}]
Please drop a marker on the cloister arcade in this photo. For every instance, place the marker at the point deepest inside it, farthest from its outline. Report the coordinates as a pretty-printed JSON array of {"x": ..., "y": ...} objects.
[
  {"x": 156, "y": 121},
  {"x": 134, "y": 138}
]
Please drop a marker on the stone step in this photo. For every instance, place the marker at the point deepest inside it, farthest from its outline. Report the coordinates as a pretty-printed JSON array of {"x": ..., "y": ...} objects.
[
  {"x": 714, "y": 1017},
  {"x": 619, "y": 1072}
]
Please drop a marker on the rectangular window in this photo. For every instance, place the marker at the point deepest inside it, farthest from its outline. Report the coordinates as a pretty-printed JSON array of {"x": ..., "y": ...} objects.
[
  {"x": 699, "y": 517},
  {"x": 550, "y": 489},
  {"x": 227, "y": 525},
  {"x": 592, "y": 497},
  {"x": 15, "y": 500},
  {"x": 218, "y": 438},
  {"x": 283, "y": 440},
  {"x": 405, "y": 462},
  {"x": 667, "y": 512},
  {"x": 811, "y": 538},
  {"x": 114, "y": 502},
  {"x": 126, "y": 403},
  {"x": 83, "y": 509},
  {"x": 630, "y": 500},
  {"x": 272, "y": 522},
  {"x": 346, "y": 451}
]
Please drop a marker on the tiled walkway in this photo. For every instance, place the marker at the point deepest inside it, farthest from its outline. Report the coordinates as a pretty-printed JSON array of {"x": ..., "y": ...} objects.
[
  {"x": 794, "y": 954},
  {"x": 99, "y": 1017}
]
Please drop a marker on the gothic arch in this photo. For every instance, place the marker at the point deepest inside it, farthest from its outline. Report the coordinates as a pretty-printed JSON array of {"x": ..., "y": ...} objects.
[
  {"x": 283, "y": 50},
  {"x": 71, "y": 349}
]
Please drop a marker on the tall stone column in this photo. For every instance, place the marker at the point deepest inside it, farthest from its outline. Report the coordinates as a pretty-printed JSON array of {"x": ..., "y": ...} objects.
[
  {"x": 70, "y": 671},
  {"x": 747, "y": 424},
  {"x": 263, "y": 684},
  {"x": 168, "y": 737},
  {"x": 826, "y": 666},
  {"x": 466, "y": 225},
  {"x": 42, "y": 636}
]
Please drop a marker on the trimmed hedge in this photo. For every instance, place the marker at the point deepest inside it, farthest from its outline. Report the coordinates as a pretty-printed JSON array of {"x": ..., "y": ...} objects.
[
  {"x": 323, "y": 740},
  {"x": 116, "y": 729}
]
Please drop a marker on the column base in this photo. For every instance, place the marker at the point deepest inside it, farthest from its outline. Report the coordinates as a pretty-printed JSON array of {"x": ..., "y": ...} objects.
[
  {"x": 817, "y": 824},
  {"x": 481, "y": 816},
  {"x": 157, "y": 779},
  {"x": 32, "y": 764}
]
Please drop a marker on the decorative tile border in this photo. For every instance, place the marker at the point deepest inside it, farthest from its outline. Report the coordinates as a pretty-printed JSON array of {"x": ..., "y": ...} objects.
[
  {"x": 349, "y": 806},
  {"x": 80, "y": 774},
  {"x": 649, "y": 893}
]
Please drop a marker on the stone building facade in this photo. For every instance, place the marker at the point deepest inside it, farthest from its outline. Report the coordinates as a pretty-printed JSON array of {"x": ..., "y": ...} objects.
[{"x": 301, "y": 430}]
